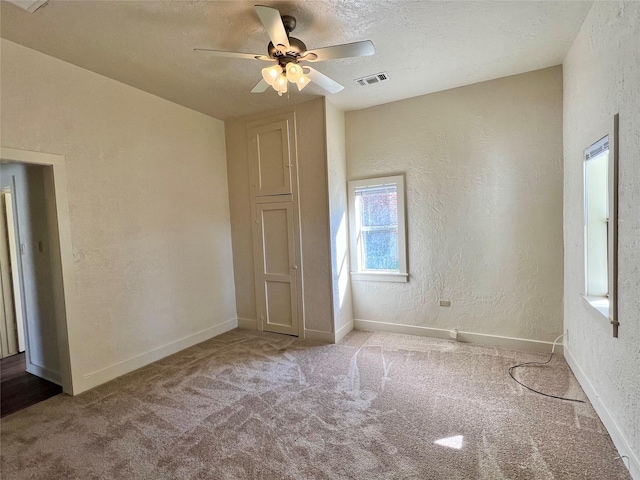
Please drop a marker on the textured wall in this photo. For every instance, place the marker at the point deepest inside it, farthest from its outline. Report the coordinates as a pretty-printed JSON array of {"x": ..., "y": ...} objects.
[
  {"x": 483, "y": 169},
  {"x": 148, "y": 205},
  {"x": 312, "y": 174},
  {"x": 338, "y": 216},
  {"x": 601, "y": 78},
  {"x": 29, "y": 198}
]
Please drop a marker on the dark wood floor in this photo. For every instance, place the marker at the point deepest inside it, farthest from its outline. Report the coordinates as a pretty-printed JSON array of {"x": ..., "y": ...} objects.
[{"x": 19, "y": 389}]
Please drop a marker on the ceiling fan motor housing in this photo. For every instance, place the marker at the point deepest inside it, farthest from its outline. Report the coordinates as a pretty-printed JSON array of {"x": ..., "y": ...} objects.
[{"x": 297, "y": 48}]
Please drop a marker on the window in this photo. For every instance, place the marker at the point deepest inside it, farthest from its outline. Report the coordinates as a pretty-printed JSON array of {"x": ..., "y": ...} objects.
[
  {"x": 600, "y": 223},
  {"x": 596, "y": 218},
  {"x": 377, "y": 220}
]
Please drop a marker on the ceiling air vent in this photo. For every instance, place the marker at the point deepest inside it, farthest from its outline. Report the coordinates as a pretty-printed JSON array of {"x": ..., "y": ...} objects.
[{"x": 371, "y": 79}]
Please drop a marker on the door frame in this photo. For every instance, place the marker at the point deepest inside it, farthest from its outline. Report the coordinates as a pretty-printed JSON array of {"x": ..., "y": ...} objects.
[
  {"x": 62, "y": 267},
  {"x": 288, "y": 116}
]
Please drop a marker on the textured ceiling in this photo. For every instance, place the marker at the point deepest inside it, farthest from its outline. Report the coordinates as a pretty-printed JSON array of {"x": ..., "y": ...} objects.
[{"x": 423, "y": 46}]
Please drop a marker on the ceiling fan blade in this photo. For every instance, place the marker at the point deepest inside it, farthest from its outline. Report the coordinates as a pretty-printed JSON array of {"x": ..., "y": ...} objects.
[
  {"x": 222, "y": 53},
  {"x": 270, "y": 18},
  {"x": 322, "y": 80},
  {"x": 260, "y": 87},
  {"x": 357, "y": 49}
]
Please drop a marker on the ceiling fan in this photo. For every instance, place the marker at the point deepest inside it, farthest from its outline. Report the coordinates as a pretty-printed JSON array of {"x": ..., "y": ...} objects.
[{"x": 287, "y": 53}]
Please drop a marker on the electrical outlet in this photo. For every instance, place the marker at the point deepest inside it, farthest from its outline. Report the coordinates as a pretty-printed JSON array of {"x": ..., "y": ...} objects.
[
  {"x": 445, "y": 303},
  {"x": 453, "y": 334}
]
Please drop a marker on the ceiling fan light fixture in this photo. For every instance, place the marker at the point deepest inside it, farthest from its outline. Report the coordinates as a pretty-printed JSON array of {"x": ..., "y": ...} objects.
[
  {"x": 294, "y": 72},
  {"x": 271, "y": 74},
  {"x": 302, "y": 82},
  {"x": 280, "y": 85}
]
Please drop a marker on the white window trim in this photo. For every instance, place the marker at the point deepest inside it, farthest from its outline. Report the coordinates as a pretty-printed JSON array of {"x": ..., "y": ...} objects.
[{"x": 402, "y": 274}]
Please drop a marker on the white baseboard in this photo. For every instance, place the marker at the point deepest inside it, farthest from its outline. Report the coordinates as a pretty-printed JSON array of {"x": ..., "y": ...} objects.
[
  {"x": 467, "y": 337},
  {"x": 342, "y": 331},
  {"x": 616, "y": 435},
  {"x": 319, "y": 336},
  {"x": 93, "y": 379},
  {"x": 247, "y": 323},
  {"x": 43, "y": 372}
]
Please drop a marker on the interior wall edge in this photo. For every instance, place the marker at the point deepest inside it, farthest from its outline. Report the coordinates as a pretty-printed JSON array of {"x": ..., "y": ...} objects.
[
  {"x": 342, "y": 331},
  {"x": 325, "y": 135}
]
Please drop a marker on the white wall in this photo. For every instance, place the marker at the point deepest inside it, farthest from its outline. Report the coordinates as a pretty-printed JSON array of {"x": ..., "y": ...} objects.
[
  {"x": 35, "y": 265},
  {"x": 338, "y": 219},
  {"x": 601, "y": 78},
  {"x": 148, "y": 205},
  {"x": 314, "y": 217},
  {"x": 483, "y": 167}
]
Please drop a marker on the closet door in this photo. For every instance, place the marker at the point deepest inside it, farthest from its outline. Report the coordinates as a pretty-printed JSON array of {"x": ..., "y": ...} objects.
[
  {"x": 276, "y": 270},
  {"x": 270, "y": 158}
]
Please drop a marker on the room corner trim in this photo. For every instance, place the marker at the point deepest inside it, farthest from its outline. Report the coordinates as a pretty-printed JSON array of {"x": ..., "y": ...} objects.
[
  {"x": 466, "y": 337},
  {"x": 247, "y": 323},
  {"x": 342, "y": 331},
  {"x": 619, "y": 440},
  {"x": 93, "y": 379}
]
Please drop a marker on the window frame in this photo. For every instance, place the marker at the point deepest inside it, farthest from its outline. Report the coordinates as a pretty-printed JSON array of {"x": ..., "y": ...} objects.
[
  {"x": 607, "y": 305},
  {"x": 596, "y": 279},
  {"x": 357, "y": 273}
]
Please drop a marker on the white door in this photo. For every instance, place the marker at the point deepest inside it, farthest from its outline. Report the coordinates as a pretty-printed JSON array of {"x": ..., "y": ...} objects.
[
  {"x": 271, "y": 161},
  {"x": 276, "y": 270}
]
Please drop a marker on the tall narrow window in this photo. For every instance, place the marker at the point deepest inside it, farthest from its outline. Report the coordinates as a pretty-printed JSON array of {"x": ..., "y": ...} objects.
[
  {"x": 596, "y": 218},
  {"x": 376, "y": 210},
  {"x": 601, "y": 222}
]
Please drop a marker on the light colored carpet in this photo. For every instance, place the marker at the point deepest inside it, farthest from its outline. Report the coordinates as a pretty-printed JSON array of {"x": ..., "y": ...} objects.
[{"x": 264, "y": 406}]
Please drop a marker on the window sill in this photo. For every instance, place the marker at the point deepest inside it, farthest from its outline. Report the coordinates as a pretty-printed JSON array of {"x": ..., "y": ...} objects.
[
  {"x": 599, "y": 304},
  {"x": 380, "y": 277}
]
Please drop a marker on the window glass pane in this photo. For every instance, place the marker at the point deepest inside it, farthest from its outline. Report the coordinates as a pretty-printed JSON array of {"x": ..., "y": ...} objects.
[
  {"x": 380, "y": 250},
  {"x": 596, "y": 218},
  {"x": 378, "y": 207},
  {"x": 378, "y": 225}
]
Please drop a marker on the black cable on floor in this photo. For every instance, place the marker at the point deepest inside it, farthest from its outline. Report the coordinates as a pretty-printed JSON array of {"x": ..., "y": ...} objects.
[{"x": 511, "y": 369}]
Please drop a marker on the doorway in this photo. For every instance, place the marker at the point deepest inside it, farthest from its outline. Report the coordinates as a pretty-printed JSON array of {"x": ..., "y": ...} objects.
[
  {"x": 44, "y": 258},
  {"x": 28, "y": 331}
]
